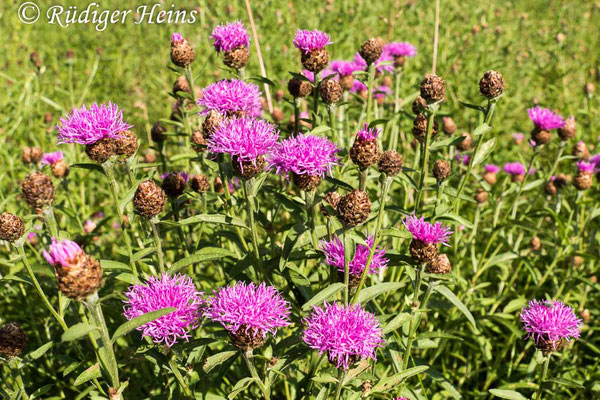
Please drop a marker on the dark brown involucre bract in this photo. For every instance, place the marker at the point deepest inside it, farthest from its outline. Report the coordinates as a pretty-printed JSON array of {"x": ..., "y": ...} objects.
[
  {"x": 11, "y": 227},
  {"x": 354, "y": 208},
  {"x": 38, "y": 190},
  {"x": 149, "y": 199}
]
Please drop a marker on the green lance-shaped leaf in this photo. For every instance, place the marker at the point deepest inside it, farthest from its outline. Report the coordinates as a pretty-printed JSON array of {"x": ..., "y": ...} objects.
[
  {"x": 136, "y": 322},
  {"x": 92, "y": 372},
  {"x": 218, "y": 359},
  {"x": 507, "y": 394},
  {"x": 77, "y": 331},
  {"x": 448, "y": 294},
  {"x": 323, "y": 295},
  {"x": 390, "y": 382}
]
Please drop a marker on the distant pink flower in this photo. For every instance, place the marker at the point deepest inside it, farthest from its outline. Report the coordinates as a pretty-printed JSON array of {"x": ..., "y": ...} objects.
[
  {"x": 514, "y": 168},
  {"x": 463, "y": 158},
  {"x": 184, "y": 175},
  {"x": 585, "y": 167},
  {"x": 400, "y": 49},
  {"x": 545, "y": 119},
  {"x": 307, "y": 41},
  {"x": 491, "y": 168},
  {"x": 595, "y": 160},
  {"x": 358, "y": 86},
  {"x": 309, "y": 75},
  {"x": 52, "y": 158},
  {"x": 177, "y": 291},
  {"x": 518, "y": 137},
  {"x": 89, "y": 226},
  {"x": 88, "y": 125},
  {"x": 425, "y": 232},
  {"x": 343, "y": 68},
  {"x": 230, "y": 37},
  {"x": 381, "y": 92},
  {"x": 176, "y": 37},
  {"x": 334, "y": 256}
]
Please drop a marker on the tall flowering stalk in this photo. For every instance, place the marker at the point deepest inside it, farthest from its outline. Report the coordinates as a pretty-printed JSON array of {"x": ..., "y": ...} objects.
[{"x": 550, "y": 324}]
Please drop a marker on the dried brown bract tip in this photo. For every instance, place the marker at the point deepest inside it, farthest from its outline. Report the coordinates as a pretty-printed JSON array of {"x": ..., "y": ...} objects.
[
  {"x": 237, "y": 58},
  {"x": 332, "y": 199},
  {"x": 127, "y": 144},
  {"x": 330, "y": 91},
  {"x": 182, "y": 53},
  {"x": 315, "y": 60},
  {"x": 441, "y": 265},
  {"x": 248, "y": 169},
  {"x": 199, "y": 183},
  {"x": 390, "y": 163},
  {"x": 433, "y": 88},
  {"x": 12, "y": 340},
  {"x": 441, "y": 170},
  {"x": 354, "y": 208},
  {"x": 157, "y": 133},
  {"x": 492, "y": 84},
  {"x": 38, "y": 190},
  {"x": 371, "y": 50},
  {"x": 101, "y": 150},
  {"x": 419, "y": 129},
  {"x": 32, "y": 155},
  {"x": 299, "y": 87},
  {"x": 11, "y": 227}
]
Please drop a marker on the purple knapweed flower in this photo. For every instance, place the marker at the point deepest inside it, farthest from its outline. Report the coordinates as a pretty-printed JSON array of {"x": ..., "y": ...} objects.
[
  {"x": 381, "y": 91},
  {"x": 384, "y": 63},
  {"x": 491, "y": 168},
  {"x": 177, "y": 291},
  {"x": 549, "y": 322},
  {"x": 426, "y": 232},
  {"x": 64, "y": 253},
  {"x": 545, "y": 119},
  {"x": 518, "y": 137},
  {"x": 230, "y": 37},
  {"x": 359, "y": 62},
  {"x": 32, "y": 238},
  {"x": 184, "y": 175},
  {"x": 303, "y": 155},
  {"x": 334, "y": 256},
  {"x": 514, "y": 168},
  {"x": 260, "y": 309},
  {"x": 231, "y": 97},
  {"x": 346, "y": 334},
  {"x": 343, "y": 68},
  {"x": 463, "y": 158},
  {"x": 88, "y": 125},
  {"x": 585, "y": 167},
  {"x": 309, "y": 75},
  {"x": 400, "y": 49},
  {"x": 367, "y": 133},
  {"x": 52, "y": 158},
  {"x": 176, "y": 37},
  {"x": 358, "y": 86},
  {"x": 595, "y": 159},
  {"x": 245, "y": 138},
  {"x": 89, "y": 226},
  {"x": 307, "y": 41}
]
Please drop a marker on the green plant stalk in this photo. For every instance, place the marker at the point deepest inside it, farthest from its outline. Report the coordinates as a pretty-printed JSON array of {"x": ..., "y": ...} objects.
[
  {"x": 316, "y": 84},
  {"x": 249, "y": 188},
  {"x": 489, "y": 113},
  {"x": 425, "y": 160},
  {"x": 515, "y": 203},
  {"x": 309, "y": 198},
  {"x": 297, "y": 102},
  {"x": 332, "y": 122},
  {"x": 363, "y": 278},
  {"x": 346, "y": 272},
  {"x": 106, "y": 352},
  {"x": 561, "y": 149},
  {"x": 175, "y": 368},
  {"x": 189, "y": 77},
  {"x": 362, "y": 178},
  {"x": 108, "y": 167},
  {"x": 157, "y": 242},
  {"x": 50, "y": 220},
  {"x": 247, "y": 356},
  {"x": 36, "y": 284},
  {"x": 414, "y": 307},
  {"x": 314, "y": 365},
  {"x": 340, "y": 384},
  {"x": 543, "y": 373},
  {"x": 393, "y": 141},
  {"x": 370, "y": 83},
  {"x": 21, "y": 385}
]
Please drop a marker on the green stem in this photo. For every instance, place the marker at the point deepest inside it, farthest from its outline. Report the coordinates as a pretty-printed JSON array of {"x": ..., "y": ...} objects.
[
  {"x": 175, "y": 368},
  {"x": 50, "y": 219},
  {"x": 316, "y": 99},
  {"x": 489, "y": 113},
  {"x": 108, "y": 167},
  {"x": 189, "y": 76},
  {"x": 412, "y": 326},
  {"x": 370, "y": 92},
  {"x": 106, "y": 352},
  {"x": 386, "y": 187},
  {"x": 543, "y": 373},
  {"x": 157, "y": 242},
  {"x": 515, "y": 203},
  {"x": 310, "y": 209},
  {"x": 38, "y": 288},
  {"x": 346, "y": 270},
  {"x": 425, "y": 160},
  {"x": 340, "y": 384},
  {"x": 248, "y": 189},
  {"x": 247, "y": 356},
  {"x": 561, "y": 149},
  {"x": 362, "y": 178},
  {"x": 332, "y": 122},
  {"x": 297, "y": 102}
]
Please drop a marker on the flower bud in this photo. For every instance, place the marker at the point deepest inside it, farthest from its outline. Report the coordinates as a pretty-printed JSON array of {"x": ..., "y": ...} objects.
[
  {"x": 12, "y": 340},
  {"x": 149, "y": 199},
  {"x": 354, "y": 208},
  {"x": 38, "y": 190},
  {"x": 11, "y": 227}
]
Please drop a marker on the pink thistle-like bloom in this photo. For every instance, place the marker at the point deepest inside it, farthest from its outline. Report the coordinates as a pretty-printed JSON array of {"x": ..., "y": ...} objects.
[
  {"x": 52, "y": 158},
  {"x": 343, "y": 68},
  {"x": 88, "y": 125},
  {"x": 518, "y": 137},
  {"x": 346, "y": 334},
  {"x": 491, "y": 168},
  {"x": 595, "y": 159},
  {"x": 381, "y": 91},
  {"x": 385, "y": 63},
  {"x": 176, "y": 37},
  {"x": 32, "y": 237},
  {"x": 177, "y": 291},
  {"x": 64, "y": 253},
  {"x": 548, "y": 322},
  {"x": 585, "y": 167},
  {"x": 425, "y": 232},
  {"x": 231, "y": 97},
  {"x": 463, "y": 158},
  {"x": 545, "y": 119},
  {"x": 89, "y": 226},
  {"x": 514, "y": 168},
  {"x": 246, "y": 138},
  {"x": 230, "y": 36},
  {"x": 184, "y": 175},
  {"x": 303, "y": 155},
  {"x": 309, "y": 75},
  {"x": 334, "y": 256},
  {"x": 260, "y": 309},
  {"x": 367, "y": 133},
  {"x": 359, "y": 62},
  {"x": 358, "y": 86},
  {"x": 400, "y": 49},
  {"x": 307, "y": 41}
]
